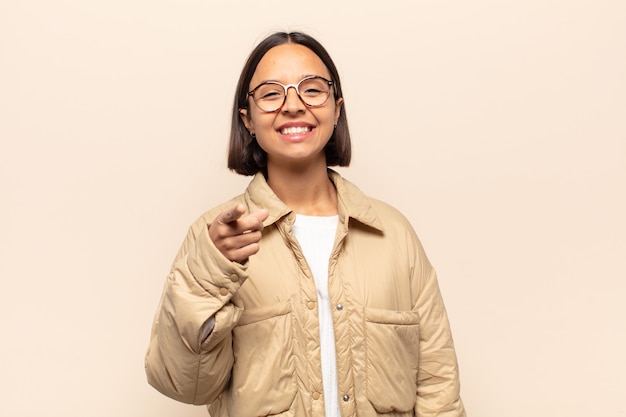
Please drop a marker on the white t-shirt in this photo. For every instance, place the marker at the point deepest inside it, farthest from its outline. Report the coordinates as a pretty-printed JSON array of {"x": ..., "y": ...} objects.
[{"x": 316, "y": 236}]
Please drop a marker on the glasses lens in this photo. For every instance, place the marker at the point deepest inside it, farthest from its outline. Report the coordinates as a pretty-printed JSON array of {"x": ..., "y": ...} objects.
[
  {"x": 269, "y": 96},
  {"x": 314, "y": 91}
]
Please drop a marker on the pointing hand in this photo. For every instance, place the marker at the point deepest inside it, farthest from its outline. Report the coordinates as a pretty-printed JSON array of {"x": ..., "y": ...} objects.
[{"x": 237, "y": 237}]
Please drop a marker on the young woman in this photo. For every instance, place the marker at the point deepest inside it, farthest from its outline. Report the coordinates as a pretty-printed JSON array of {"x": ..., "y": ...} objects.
[{"x": 302, "y": 296}]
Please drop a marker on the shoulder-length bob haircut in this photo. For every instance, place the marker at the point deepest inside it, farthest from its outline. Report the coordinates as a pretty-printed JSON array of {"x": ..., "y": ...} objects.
[{"x": 245, "y": 156}]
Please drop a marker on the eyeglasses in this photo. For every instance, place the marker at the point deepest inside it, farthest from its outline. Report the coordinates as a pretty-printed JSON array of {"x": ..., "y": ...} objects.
[{"x": 270, "y": 96}]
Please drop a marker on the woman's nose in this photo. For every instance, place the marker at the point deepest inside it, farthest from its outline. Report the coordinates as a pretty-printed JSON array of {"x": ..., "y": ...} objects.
[{"x": 292, "y": 101}]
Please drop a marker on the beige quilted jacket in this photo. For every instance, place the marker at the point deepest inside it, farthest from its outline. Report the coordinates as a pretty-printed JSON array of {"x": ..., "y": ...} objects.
[{"x": 395, "y": 355}]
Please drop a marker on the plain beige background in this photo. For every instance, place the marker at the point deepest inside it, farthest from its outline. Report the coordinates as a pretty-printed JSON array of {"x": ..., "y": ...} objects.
[{"x": 497, "y": 127}]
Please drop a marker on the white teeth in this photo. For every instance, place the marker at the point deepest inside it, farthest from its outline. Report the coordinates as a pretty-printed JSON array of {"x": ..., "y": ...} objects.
[{"x": 295, "y": 130}]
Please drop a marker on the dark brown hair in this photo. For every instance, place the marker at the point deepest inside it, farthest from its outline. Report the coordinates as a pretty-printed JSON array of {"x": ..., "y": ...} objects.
[{"x": 245, "y": 156}]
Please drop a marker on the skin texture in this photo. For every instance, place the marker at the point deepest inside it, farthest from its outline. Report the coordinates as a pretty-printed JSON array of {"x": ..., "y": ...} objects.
[{"x": 296, "y": 163}]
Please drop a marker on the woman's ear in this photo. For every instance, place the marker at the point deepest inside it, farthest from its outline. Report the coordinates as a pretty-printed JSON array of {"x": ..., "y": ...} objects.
[
  {"x": 247, "y": 122},
  {"x": 338, "y": 104}
]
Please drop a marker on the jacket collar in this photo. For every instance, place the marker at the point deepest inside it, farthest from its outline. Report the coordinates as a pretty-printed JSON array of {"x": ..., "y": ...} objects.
[{"x": 352, "y": 202}]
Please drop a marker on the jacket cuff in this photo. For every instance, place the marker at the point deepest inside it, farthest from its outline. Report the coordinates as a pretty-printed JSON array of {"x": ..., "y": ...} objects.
[{"x": 215, "y": 273}]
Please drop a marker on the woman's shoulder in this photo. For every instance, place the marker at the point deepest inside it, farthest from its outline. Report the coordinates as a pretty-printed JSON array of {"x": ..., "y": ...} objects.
[
  {"x": 388, "y": 213},
  {"x": 368, "y": 207}
]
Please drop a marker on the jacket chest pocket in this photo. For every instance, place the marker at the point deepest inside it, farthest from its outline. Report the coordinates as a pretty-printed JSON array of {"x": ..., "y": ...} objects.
[
  {"x": 263, "y": 377},
  {"x": 392, "y": 352}
]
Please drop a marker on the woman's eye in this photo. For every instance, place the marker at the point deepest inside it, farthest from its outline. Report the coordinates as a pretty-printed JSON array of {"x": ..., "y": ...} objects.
[
  {"x": 312, "y": 92},
  {"x": 270, "y": 95}
]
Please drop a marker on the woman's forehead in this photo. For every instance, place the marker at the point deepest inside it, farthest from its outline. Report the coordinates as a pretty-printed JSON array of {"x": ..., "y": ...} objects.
[{"x": 289, "y": 63}]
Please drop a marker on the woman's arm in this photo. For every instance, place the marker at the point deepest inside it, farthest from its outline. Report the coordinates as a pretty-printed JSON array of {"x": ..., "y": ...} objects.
[
  {"x": 438, "y": 387},
  {"x": 199, "y": 288}
]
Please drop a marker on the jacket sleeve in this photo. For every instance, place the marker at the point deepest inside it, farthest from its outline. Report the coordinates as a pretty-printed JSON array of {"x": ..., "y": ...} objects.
[
  {"x": 200, "y": 285},
  {"x": 438, "y": 386}
]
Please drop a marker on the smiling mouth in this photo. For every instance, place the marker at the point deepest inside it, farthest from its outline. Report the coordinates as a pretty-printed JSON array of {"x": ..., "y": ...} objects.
[{"x": 296, "y": 130}]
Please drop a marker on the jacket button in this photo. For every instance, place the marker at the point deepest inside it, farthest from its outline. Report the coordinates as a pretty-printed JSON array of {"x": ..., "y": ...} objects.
[
  {"x": 223, "y": 291},
  {"x": 234, "y": 277},
  {"x": 310, "y": 305},
  {"x": 316, "y": 395},
  {"x": 339, "y": 307},
  {"x": 346, "y": 398}
]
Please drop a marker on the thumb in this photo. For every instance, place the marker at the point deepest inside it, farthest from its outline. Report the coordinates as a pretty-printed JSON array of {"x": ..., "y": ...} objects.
[{"x": 261, "y": 214}]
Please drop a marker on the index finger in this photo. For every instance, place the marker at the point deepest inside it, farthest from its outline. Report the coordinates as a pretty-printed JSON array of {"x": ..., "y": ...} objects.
[{"x": 231, "y": 214}]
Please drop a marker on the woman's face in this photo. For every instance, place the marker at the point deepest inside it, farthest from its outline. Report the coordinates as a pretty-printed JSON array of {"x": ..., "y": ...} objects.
[{"x": 296, "y": 133}]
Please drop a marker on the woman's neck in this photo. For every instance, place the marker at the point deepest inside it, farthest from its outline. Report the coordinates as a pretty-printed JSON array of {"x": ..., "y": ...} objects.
[{"x": 305, "y": 191}]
